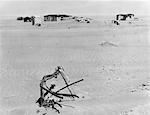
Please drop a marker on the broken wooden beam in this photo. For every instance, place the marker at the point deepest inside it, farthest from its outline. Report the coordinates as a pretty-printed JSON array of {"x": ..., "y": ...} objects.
[
  {"x": 65, "y": 86},
  {"x": 69, "y": 85},
  {"x": 66, "y": 82},
  {"x": 53, "y": 93}
]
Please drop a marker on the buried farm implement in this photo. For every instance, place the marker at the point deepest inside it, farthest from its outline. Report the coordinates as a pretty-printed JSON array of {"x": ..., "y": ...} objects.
[{"x": 52, "y": 99}]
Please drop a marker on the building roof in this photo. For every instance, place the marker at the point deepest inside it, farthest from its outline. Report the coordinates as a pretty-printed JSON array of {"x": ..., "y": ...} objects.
[
  {"x": 57, "y": 15},
  {"x": 124, "y": 14}
]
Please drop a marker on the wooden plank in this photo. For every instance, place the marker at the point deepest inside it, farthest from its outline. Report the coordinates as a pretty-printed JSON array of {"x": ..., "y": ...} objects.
[
  {"x": 66, "y": 83},
  {"x": 65, "y": 86},
  {"x": 69, "y": 85},
  {"x": 68, "y": 95},
  {"x": 53, "y": 93}
]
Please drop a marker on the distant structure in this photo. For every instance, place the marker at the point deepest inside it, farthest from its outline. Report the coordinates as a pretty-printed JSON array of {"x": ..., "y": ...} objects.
[
  {"x": 39, "y": 20},
  {"x": 19, "y": 18},
  {"x": 55, "y": 17},
  {"x": 124, "y": 16}
]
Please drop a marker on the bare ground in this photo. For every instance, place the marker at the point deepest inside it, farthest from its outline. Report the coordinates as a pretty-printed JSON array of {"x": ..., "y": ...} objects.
[{"x": 113, "y": 74}]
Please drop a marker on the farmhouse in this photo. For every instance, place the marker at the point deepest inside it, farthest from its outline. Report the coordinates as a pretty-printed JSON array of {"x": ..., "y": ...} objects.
[{"x": 55, "y": 17}]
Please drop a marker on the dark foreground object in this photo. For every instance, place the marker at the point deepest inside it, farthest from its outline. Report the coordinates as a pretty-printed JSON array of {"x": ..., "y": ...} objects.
[{"x": 55, "y": 98}]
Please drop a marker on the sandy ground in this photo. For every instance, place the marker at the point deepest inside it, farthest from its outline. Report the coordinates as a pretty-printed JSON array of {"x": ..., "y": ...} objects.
[{"x": 112, "y": 60}]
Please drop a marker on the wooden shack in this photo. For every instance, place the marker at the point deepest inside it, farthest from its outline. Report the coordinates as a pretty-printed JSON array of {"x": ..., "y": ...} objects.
[
  {"x": 124, "y": 16},
  {"x": 54, "y": 17},
  {"x": 50, "y": 17}
]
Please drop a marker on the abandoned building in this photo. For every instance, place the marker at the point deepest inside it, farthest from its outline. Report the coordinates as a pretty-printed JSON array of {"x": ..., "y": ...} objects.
[
  {"x": 124, "y": 16},
  {"x": 55, "y": 17},
  {"x": 50, "y": 18}
]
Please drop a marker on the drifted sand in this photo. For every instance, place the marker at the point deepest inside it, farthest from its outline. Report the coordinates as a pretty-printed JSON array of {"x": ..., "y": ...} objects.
[{"x": 112, "y": 60}]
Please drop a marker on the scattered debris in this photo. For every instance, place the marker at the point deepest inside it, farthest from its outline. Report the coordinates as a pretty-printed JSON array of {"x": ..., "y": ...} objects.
[
  {"x": 142, "y": 87},
  {"x": 105, "y": 43},
  {"x": 55, "y": 97},
  {"x": 126, "y": 112},
  {"x": 82, "y": 19},
  {"x": 37, "y": 20},
  {"x": 115, "y": 22}
]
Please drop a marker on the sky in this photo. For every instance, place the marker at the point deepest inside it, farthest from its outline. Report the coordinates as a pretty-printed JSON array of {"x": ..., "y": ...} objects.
[{"x": 74, "y": 7}]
